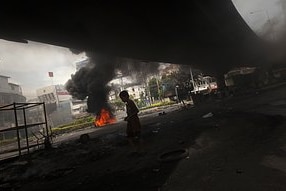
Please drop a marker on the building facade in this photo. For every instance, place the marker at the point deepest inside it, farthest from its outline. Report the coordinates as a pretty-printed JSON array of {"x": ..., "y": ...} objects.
[
  {"x": 9, "y": 93},
  {"x": 58, "y": 104}
]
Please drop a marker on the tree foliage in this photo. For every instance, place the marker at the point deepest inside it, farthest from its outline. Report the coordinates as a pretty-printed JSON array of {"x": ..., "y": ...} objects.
[{"x": 153, "y": 88}]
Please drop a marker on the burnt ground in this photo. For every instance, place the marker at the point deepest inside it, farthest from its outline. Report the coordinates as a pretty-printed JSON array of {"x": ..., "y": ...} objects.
[{"x": 240, "y": 145}]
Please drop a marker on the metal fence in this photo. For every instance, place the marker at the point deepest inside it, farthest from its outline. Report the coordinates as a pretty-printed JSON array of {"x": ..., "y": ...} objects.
[{"x": 23, "y": 128}]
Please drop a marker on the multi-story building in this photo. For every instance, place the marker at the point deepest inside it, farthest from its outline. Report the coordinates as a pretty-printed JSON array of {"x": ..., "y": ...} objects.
[
  {"x": 58, "y": 103},
  {"x": 9, "y": 93},
  {"x": 53, "y": 94}
]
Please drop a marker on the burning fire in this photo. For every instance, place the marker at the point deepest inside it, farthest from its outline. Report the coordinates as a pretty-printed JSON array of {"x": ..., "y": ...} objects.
[{"x": 105, "y": 117}]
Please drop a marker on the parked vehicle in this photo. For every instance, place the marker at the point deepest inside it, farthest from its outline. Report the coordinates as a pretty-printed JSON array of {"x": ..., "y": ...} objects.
[{"x": 204, "y": 85}]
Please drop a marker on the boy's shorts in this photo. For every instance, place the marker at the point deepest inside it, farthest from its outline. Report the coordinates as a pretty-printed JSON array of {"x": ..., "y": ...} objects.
[{"x": 133, "y": 127}]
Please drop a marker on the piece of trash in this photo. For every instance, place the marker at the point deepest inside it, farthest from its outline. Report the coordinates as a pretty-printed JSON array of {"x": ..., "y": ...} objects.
[
  {"x": 156, "y": 130},
  {"x": 208, "y": 115}
]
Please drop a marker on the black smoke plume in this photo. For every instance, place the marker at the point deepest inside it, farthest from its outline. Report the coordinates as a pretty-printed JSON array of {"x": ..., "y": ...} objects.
[
  {"x": 137, "y": 69},
  {"x": 275, "y": 33},
  {"x": 91, "y": 81}
]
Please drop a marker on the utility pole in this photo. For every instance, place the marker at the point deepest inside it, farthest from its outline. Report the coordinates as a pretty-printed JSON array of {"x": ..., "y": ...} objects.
[
  {"x": 192, "y": 78},
  {"x": 158, "y": 87},
  {"x": 176, "y": 91}
]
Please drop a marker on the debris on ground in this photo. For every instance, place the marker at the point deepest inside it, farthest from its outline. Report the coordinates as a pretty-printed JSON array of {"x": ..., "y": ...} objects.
[{"x": 208, "y": 115}]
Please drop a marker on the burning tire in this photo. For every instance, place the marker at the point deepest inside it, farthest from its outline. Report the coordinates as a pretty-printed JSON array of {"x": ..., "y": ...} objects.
[
  {"x": 103, "y": 118},
  {"x": 173, "y": 155}
]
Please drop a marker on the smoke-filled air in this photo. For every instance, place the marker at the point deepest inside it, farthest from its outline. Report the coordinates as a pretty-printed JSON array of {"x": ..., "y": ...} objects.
[{"x": 91, "y": 81}]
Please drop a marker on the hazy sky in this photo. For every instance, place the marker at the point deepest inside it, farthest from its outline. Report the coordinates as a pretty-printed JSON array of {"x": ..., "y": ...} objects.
[
  {"x": 28, "y": 64},
  {"x": 258, "y": 14}
]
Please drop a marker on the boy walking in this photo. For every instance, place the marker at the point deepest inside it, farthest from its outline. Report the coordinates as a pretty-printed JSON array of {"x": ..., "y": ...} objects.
[{"x": 133, "y": 129}]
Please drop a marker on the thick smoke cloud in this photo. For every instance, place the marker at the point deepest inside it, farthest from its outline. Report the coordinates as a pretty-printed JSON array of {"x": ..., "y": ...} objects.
[
  {"x": 137, "y": 69},
  {"x": 275, "y": 33},
  {"x": 91, "y": 82}
]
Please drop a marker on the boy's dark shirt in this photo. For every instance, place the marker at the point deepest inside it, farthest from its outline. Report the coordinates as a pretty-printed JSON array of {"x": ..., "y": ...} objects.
[{"x": 131, "y": 108}]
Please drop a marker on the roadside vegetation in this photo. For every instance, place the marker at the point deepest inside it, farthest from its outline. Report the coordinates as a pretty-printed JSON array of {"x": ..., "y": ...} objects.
[
  {"x": 88, "y": 121},
  {"x": 81, "y": 123}
]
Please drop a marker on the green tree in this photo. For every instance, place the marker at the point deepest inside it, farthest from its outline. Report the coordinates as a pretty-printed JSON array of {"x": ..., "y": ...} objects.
[
  {"x": 168, "y": 83},
  {"x": 153, "y": 88}
]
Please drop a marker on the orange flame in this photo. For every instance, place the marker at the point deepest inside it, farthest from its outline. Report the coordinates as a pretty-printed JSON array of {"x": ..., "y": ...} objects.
[{"x": 104, "y": 118}]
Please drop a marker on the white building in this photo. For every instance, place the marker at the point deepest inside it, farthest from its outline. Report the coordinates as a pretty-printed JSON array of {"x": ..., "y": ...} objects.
[
  {"x": 58, "y": 103},
  {"x": 136, "y": 91},
  {"x": 53, "y": 94},
  {"x": 79, "y": 108}
]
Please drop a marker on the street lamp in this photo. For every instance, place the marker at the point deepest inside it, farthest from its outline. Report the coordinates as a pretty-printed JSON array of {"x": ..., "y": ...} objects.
[
  {"x": 176, "y": 91},
  {"x": 192, "y": 78}
]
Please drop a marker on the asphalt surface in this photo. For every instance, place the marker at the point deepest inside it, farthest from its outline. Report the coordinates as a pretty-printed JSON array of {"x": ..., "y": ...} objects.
[{"x": 235, "y": 143}]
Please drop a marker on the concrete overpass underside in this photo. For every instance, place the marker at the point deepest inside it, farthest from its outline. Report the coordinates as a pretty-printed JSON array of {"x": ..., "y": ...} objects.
[{"x": 210, "y": 35}]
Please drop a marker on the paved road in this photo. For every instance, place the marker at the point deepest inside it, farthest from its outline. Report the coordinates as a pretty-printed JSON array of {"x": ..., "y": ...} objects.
[
  {"x": 118, "y": 127},
  {"x": 237, "y": 148}
]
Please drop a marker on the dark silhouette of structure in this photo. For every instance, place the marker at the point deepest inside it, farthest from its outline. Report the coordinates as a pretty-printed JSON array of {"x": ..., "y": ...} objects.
[{"x": 207, "y": 34}]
